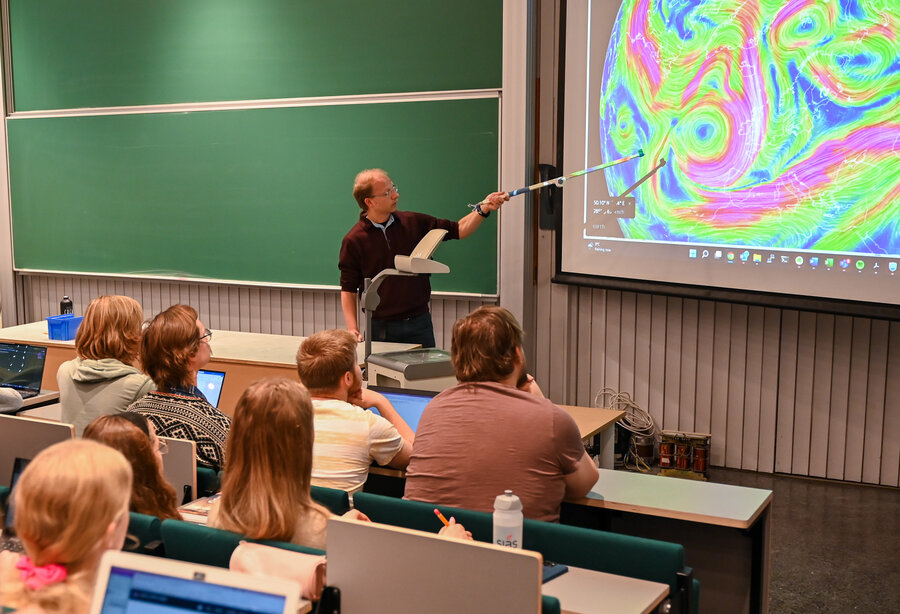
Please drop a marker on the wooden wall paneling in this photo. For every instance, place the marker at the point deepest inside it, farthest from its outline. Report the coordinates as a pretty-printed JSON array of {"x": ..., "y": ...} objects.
[
  {"x": 642, "y": 340},
  {"x": 752, "y": 392},
  {"x": 768, "y": 402},
  {"x": 583, "y": 346},
  {"x": 688, "y": 374},
  {"x": 285, "y": 299},
  {"x": 656, "y": 373},
  {"x": 309, "y": 315},
  {"x": 839, "y": 397},
  {"x": 875, "y": 402},
  {"x": 571, "y": 337},
  {"x": 612, "y": 368},
  {"x": 890, "y": 457},
  {"x": 787, "y": 378},
  {"x": 706, "y": 322},
  {"x": 806, "y": 355},
  {"x": 719, "y": 400},
  {"x": 821, "y": 394},
  {"x": 673, "y": 357},
  {"x": 558, "y": 335},
  {"x": 628, "y": 344},
  {"x": 737, "y": 374},
  {"x": 598, "y": 344},
  {"x": 856, "y": 407}
]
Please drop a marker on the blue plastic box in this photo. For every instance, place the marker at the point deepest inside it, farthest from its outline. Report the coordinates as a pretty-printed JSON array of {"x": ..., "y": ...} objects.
[{"x": 64, "y": 327}]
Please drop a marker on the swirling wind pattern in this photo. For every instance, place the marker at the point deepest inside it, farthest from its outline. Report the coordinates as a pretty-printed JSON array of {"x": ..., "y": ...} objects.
[{"x": 779, "y": 121}]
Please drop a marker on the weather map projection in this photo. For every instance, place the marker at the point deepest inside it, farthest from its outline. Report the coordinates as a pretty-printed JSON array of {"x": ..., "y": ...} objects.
[{"x": 771, "y": 131}]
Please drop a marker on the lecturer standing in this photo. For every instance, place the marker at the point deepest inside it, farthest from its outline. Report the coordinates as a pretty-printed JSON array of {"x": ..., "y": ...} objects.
[{"x": 381, "y": 233}]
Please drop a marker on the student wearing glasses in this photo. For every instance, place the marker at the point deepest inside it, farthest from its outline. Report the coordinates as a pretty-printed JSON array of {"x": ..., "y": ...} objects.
[
  {"x": 174, "y": 347},
  {"x": 381, "y": 233}
]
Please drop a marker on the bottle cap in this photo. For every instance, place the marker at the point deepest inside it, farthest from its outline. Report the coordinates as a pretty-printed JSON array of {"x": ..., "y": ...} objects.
[{"x": 508, "y": 501}]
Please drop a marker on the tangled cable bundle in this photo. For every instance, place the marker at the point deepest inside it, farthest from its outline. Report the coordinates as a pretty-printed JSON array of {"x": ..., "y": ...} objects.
[{"x": 636, "y": 420}]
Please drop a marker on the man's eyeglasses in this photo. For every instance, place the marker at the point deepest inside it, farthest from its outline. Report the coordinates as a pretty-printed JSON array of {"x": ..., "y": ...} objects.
[
  {"x": 393, "y": 189},
  {"x": 207, "y": 336}
]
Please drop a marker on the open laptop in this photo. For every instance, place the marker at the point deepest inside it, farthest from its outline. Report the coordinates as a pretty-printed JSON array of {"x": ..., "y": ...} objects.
[
  {"x": 210, "y": 384},
  {"x": 409, "y": 403},
  {"x": 9, "y": 541},
  {"x": 427, "y": 573},
  {"x": 140, "y": 584},
  {"x": 22, "y": 367}
]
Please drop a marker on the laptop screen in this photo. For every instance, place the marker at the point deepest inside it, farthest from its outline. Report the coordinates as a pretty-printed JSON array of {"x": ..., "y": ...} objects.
[
  {"x": 409, "y": 403},
  {"x": 22, "y": 366},
  {"x": 140, "y": 592},
  {"x": 210, "y": 383}
]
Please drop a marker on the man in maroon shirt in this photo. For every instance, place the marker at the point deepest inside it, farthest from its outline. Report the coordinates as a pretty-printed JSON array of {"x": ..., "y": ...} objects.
[{"x": 381, "y": 233}]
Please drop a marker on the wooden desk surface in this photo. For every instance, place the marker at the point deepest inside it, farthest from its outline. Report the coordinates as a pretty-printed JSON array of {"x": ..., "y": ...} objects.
[
  {"x": 695, "y": 501},
  {"x": 584, "y": 591},
  {"x": 245, "y": 357},
  {"x": 227, "y": 346},
  {"x": 593, "y": 420}
]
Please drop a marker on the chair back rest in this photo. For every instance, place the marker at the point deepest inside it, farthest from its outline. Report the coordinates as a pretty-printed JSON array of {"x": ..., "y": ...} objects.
[
  {"x": 420, "y": 516},
  {"x": 623, "y": 555},
  {"x": 208, "y": 482},
  {"x": 337, "y": 501},
  {"x": 147, "y": 530},
  {"x": 180, "y": 468},
  {"x": 195, "y": 543},
  {"x": 22, "y": 437}
]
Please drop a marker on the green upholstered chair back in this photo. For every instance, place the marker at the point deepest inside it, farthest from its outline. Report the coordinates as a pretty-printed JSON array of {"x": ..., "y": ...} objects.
[
  {"x": 550, "y": 605},
  {"x": 288, "y": 546},
  {"x": 147, "y": 530},
  {"x": 420, "y": 516},
  {"x": 208, "y": 482},
  {"x": 338, "y": 501},
  {"x": 186, "y": 541},
  {"x": 624, "y": 555}
]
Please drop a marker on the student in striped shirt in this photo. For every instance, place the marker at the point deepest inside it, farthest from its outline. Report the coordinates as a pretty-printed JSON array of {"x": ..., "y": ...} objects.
[{"x": 347, "y": 436}]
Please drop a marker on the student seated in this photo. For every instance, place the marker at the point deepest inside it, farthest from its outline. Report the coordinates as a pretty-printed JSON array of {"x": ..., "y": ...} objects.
[
  {"x": 71, "y": 506},
  {"x": 104, "y": 378},
  {"x": 348, "y": 438},
  {"x": 174, "y": 347},
  {"x": 486, "y": 435},
  {"x": 265, "y": 490},
  {"x": 134, "y": 436}
]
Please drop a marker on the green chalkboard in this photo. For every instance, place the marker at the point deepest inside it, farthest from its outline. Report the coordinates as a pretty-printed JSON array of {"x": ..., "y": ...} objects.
[
  {"x": 261, "y": 195},
  {"x": 104, "y": 53}
]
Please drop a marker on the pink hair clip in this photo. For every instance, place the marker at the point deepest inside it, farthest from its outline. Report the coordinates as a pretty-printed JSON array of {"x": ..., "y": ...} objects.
[{"x": 35, "y": 577}]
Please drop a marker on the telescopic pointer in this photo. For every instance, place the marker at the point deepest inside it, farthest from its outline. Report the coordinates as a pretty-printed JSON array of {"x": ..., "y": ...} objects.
[{"x": 559, "y": 181}]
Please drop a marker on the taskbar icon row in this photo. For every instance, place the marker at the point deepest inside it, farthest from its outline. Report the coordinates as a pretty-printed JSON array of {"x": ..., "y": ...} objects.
[{"x": 828, "y": 262}]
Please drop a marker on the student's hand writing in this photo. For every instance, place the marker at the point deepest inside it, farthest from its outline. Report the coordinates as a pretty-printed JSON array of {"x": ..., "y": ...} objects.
[
  {"x": 456, "y": 531},
  {"x": 356, "y": 515}
]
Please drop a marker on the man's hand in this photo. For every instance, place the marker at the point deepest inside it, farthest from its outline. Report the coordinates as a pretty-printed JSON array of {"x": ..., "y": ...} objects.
[
  {"x": 493, "y": 201},
  {"x": 456, "y": 531},
  {"x": 359, "y": 337}
]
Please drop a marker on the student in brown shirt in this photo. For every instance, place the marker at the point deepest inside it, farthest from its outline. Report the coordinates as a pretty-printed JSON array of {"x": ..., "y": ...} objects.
[{"x": 486, "y": 434}]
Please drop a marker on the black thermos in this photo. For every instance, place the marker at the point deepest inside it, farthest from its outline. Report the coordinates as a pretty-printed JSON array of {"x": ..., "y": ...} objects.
[{"x": 65, "y": 305}]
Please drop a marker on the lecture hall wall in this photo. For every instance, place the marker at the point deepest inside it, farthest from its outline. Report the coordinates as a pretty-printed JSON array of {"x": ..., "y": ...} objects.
[{"x": 779, "y": 390}]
